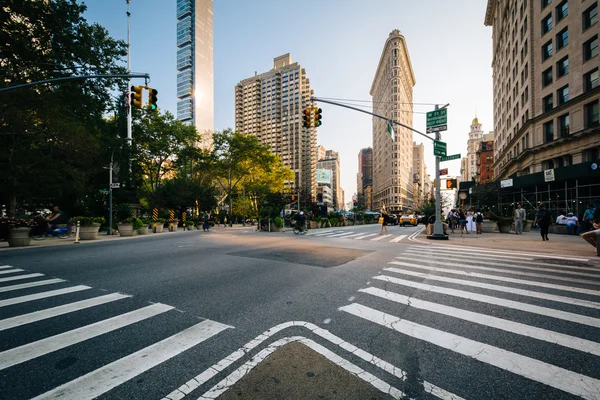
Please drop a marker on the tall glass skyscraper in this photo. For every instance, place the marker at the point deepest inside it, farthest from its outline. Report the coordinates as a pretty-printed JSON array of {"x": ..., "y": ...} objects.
[{"x": 195, "y": 88}]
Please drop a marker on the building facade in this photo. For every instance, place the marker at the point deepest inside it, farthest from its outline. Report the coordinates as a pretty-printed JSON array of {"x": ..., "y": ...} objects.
[
  {"x": 546, "y": 92},
  {"x": 330, "y": 160},
  {"x": 269, "y": 106},
  {"x": 485, "y": 162},
  {"x": 365, "y": 177},
  {"x": 195, "y": 66},
  {"x": 419, "y": 174},
  {"x": 392, "y": 92},
  {"x": 469, "y": 163}
]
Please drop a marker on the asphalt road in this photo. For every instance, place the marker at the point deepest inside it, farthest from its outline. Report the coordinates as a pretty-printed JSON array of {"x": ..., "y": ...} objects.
[{"x": 173, "y": 315}]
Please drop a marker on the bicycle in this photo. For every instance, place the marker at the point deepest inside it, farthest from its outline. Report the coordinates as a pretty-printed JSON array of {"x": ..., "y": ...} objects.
[
  {"x": 300, "y": 230},
  {"x": 41, "y": 230}
]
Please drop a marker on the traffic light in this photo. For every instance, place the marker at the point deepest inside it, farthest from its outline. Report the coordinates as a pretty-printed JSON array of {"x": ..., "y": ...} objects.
[
  {"x": 306, "y": 118},
  {"x": 136, "y": 96},
  {"x": 317, "y": 117},
  {"x": 451, "y": 184},
  {"x": 152, "y": 98}
]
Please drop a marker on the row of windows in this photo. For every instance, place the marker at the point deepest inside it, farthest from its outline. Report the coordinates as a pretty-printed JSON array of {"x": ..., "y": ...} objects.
[
  {"x": 590, "y": 47},
  {"x": 591, "y": 119}
]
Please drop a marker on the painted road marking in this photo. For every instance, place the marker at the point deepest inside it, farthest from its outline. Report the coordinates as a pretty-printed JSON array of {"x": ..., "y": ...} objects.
[
  {"x": 19, "y": 277},
  {"x": 6, "y": 266},
  {"x": 498, "y": 301},
  {"x": 380, "y": 237},
  {"x": 112, "y": 375},
  {"x": 488, "y": 320},
  {"x": 500, "y": 278},
  {"x": 556, "y": 377},
  {"x": 344, "y": 234},
  {"x": 32, "y": 350},
  {"x": 30, "y": 285},
  {"x": 11, "y": 271},
  {"x": 318, "y": 232},
  {"x": 399, "y": 238},
  {"x": 42, "y": 295},
  {"x": 534, "y": 266},
  {"x": 351, "y": 236},
  {"x": 498, "y": 288},
  {"x": 483, "y": 250},
  {"x": 9, "y": 323},
  {"x": 365, "y": 236}
]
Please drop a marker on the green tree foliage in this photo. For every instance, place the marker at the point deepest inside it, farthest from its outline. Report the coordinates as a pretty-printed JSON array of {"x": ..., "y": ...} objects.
[
  {"x": 182, "y": 193},
  {"x": 49, "y": 134}
]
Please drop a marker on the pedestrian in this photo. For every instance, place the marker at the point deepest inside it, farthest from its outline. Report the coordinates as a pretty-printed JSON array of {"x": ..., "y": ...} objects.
[
  {"x": 479, "y": 222},
  {"x": 462, "y": 220},
  {"x": 519, "y": 217},
  {"x": 449, "y": 217},
  {"x": 588, "y": 218},
  {"x": 471, "y": 221},
  {"x": 543, "y": 218},
  {"x": 572, "y": 224},
  {"x": 592, "y": 236},
  {"x": 383, "y": 220},
  {"x": 225, "y": 222}
]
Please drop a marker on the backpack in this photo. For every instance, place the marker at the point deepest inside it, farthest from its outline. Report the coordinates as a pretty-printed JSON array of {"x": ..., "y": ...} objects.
[{"x": 479, "y": 218}]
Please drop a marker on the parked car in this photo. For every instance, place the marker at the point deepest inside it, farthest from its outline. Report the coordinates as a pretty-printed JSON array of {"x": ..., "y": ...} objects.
[{"x": 408, "y": 219}]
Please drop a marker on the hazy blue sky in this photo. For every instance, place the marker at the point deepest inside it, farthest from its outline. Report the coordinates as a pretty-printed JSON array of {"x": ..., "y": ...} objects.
[{"x": 339, "y": 42}]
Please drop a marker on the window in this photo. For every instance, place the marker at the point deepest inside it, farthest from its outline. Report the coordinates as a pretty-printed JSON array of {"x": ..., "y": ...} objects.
[
  {"x": 562, "y": 39},
  {"x": 562, "y": 95},
  {"x": 590, "y": 80},
  {"x": 563, "y": 125},
  {"x": 590, "y": 16},
  {"x": 562, "y": 10},
  {"x": 591, "y": 114},
  {"x": 526, "y": 95},
  {"x": 547, "y": 77},
  {"x": 548, "y": 131},
  {"x": 547, "y": 50},
  {"x": 547, "y": 23},
  {"x": 562, "y": 67},
  {"x": 545, "y": 3},
  {"x": 590, "y": 48},
  {"x": 547, "y": 103}
]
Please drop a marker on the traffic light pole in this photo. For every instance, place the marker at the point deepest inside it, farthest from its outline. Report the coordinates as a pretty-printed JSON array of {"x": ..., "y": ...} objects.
[{"x": 129, "y": 86}]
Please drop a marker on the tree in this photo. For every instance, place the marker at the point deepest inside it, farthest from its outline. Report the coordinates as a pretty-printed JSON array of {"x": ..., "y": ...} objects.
[
  {"x": 182, "y": 193},
  {"x": 49, "y": 134}
]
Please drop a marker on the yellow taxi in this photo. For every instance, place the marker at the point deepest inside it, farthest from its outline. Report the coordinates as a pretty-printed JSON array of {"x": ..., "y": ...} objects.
[{"x": 408, "y": 219}]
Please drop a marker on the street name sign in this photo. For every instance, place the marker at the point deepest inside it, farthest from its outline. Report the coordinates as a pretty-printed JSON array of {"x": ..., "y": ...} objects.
[
  {"x": 115, "y": 185},
  {"x": 452, "y": 157},
  {"x": 439, "y": 148},
  {"x": 443, "y": 171},
  {"x": 437, "y": 120}
]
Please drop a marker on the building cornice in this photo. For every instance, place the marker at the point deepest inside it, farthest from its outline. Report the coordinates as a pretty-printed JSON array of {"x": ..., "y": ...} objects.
[{"x": 489, "y": 13}]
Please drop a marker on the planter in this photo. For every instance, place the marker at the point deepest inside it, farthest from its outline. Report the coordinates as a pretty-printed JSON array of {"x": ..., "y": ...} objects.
[
  {"x": 19, "y": 237},
  {"x": 488, "y": 226},
  {"x": 313, "y": 225},
  {"x": 198, "y": 227},
  {"x": 144, "y": 230},
  {"x": 504, "y": 228},
  {"x": 276, "y": 228},
  {"x": 125, "y": 229},
  {"x": 173, "y": 225},
  {"x": 159, "y": 227},
  {"x": 527, "y": 224},
  {"x": 89, "y": 232}
]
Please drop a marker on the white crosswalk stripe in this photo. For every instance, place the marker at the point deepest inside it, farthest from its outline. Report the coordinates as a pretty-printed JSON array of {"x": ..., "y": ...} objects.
[
  {"x": 343, "y": 234},
  {"x": 10, "y": 271},
  {"x": 41, "y": 308},
  {"x": 485, "y": 307},
  {"x": 397, "y": 239},
  {"x": 380, "y": 237}
]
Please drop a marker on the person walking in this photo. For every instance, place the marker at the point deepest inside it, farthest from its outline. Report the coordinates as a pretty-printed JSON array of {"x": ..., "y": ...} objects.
[
  {"x": 471, "y": 221},
  {"x": 479, "y": 222},
  {"x": 519, "y": 217},
  {"x": 383, "y": 220},
  {"x": 449, "y": 218},
  {"x": 462, "y": 220},
  {"x": 543, "y": 218},
  {"x": 588, "y": 218}
]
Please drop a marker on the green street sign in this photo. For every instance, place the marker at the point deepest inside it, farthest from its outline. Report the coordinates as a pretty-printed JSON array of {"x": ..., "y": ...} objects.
[
  {"x": 452, "y": 157},
  {"x": 439, "y": 148},
  {"x": 103, "y": 191},
  {"x": 437, "y": 120}
]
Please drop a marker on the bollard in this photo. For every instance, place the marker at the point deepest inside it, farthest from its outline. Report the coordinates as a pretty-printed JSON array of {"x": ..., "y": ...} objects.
[{"x": 77, "y": 233}]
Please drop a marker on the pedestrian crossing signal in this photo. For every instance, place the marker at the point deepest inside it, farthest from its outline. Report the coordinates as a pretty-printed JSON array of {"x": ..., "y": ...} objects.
[{"x": 451, "y": 184}]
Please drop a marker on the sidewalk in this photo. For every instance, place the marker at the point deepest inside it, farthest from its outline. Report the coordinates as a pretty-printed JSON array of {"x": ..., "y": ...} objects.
[{"x": 531, "y": 242}]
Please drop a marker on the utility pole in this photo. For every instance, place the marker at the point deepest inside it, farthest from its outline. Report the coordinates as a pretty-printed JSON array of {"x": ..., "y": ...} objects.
[
  {"x": 128, "y": 88},
  {"x": 110, "y": 189},
  {"x": 438, "y": 227}
]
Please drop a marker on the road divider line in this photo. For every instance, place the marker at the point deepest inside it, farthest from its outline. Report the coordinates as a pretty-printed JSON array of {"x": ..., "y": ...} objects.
[
  {"x": 413, "y": 237},
  {"x": 365, "y": 236},
  {"x": 399, "y": 238},
  {"x": 19, "y": 277},
  {"x": 535, "y": 266},
  {"x": 102, "y": 380},
  {"x": 473, "y": 250},
  {"x": 500, "y": 278},
  {"x": 548, "y": 374},
  {"x": 30, "y": 285},
  {"x": 208, "y": 374},
  {"x": 35, "y": 316},
  {"x": 11, "y": 271},
  {"x": 379, "y": 238},
  {"x": 511, "y": 272},
  {"x": 41, "y": 347},
  {"x": 498, "y": 288},
  {"x": 518, "y": 328},
  {"x": 42, "y": 295},
  {"x": 496, "y": 301}
]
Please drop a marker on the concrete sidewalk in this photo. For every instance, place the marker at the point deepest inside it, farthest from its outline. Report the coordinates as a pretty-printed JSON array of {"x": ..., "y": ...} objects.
[{"x": 565, "y": 245}]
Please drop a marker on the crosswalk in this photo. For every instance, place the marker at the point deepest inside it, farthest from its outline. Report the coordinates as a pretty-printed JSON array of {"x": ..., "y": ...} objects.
[
  {"x": 490, "y": 308},
  {"x": 45, "y": 319},
  {"x": 370, "y": 236}
]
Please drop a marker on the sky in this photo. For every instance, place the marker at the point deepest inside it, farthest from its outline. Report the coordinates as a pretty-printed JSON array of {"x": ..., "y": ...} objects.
[{"x": 339, "y": 43}]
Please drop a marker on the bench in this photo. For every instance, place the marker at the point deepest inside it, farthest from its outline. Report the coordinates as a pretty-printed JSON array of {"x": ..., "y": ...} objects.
[{"x": 558, "y": 229}]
